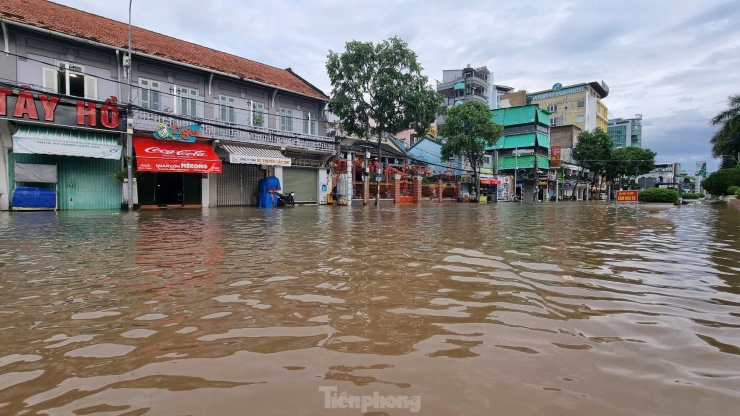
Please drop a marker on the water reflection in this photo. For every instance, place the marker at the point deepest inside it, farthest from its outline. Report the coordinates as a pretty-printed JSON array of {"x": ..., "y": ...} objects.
[{"x": 481, "y": 309}]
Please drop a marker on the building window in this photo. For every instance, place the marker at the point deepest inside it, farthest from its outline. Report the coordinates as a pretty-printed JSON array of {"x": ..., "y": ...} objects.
[
  {"x": 70, "y": 79},
  {"x": 582, "y": 102},
  {"x": 258, "y": 115},
  {"x": 185, "y": 99},
  {"x": 226, "y": 110},
  {"x": 309, "y": 123},
  {"x": 554, "y": 121},
  {"x": 552, "y": 108},
  {"x": 149, "y": 93},
  {"x": 286, "y": 119},
  {"x": 580, "y": 118}
]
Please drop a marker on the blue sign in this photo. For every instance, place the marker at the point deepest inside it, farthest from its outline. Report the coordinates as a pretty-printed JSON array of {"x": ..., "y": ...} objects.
[
  {"x": 323, "y": 187},
  {"x": 557, "y": 87}
]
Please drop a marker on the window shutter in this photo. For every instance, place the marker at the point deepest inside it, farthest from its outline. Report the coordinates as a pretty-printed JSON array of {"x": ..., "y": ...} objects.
[
  {"x": 91, "y": 88},
  {"x": 50, "y": 80}
]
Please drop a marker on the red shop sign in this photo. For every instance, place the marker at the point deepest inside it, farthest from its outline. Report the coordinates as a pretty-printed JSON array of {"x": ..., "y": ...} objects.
[{"x": 165, "y": 156}]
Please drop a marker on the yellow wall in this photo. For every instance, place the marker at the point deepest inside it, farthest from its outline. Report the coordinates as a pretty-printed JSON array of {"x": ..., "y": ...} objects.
[
  {"x": 602, "y": 115},
  {"x": 570, "y": 113}
]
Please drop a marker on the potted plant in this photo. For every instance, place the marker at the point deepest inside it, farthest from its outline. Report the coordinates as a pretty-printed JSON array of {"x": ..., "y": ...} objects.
[
  {"x": 657, "y": 199},
  {"x": 122, "y": 176}
]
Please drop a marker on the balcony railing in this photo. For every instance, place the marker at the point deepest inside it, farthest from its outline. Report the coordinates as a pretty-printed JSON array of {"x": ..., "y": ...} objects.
[{"x": 240, "y": 133}]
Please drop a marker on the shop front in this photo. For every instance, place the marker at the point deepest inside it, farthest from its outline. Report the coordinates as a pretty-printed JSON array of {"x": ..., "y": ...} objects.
[
  {"x": 237, "y": 185},
  {"x": 58, "y": 152},
  {"x": 172, "y": 172}
]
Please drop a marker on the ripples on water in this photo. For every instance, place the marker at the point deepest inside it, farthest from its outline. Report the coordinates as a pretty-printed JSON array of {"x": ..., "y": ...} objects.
[{"x": 569, "y": 308}]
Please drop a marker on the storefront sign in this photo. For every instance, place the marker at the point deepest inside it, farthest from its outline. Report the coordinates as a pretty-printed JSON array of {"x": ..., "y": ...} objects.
[
  {"x": 258, "y": 160},
  {"x": 701, "y": 169},
  {"x": 66, "y": 148},
  {"x": 177, "y": 133},
  {"x": 555, "y": 156},
  {"x": 626, "y": 196},
  {"x": 154, "y": 155},
  {"x": 24, "y": 105}
]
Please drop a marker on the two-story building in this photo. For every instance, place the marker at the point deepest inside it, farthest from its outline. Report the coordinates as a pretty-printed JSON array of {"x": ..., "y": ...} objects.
[{"x": 207, "y": 125}]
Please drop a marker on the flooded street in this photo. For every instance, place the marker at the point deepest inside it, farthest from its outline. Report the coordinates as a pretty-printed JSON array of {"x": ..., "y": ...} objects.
[{"x": 498, "y": 309}]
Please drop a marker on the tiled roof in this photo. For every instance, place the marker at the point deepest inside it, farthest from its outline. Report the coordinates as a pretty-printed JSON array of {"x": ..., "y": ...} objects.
[{"x": 77, "y": 23}]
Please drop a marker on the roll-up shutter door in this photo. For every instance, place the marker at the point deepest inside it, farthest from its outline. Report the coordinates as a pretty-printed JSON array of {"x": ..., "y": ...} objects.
[
  {"x": 237, "y": 184},
  {"x": 302, "y": 181}
]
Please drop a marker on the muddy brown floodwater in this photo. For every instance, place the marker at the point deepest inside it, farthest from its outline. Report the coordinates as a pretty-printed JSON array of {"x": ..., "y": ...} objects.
[{"x": 488, "y": 309}]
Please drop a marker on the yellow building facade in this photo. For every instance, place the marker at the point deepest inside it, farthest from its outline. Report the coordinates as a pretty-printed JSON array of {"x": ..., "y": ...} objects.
[{"x": 578, "y": 104}]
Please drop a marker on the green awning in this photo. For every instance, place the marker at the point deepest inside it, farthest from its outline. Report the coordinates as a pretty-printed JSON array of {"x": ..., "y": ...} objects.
[
  {"x": 543, "y": 140},
  {"x": 460, "y": 86},
  {"x": 520, "y": 140},
  {"x": 513, "y": 162},
  {"x": 543, "y": 117},
  {"x": 543, "y": 162}
]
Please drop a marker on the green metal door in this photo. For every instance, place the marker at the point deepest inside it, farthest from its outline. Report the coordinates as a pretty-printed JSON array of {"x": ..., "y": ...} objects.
[
  {"x": 84, "y": 183},
  {"x": 302, "y": 181}
]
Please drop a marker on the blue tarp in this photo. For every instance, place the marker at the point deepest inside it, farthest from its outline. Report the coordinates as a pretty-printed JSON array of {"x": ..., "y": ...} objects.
[
  {"x": 27, "y": 197},
  {"x": 266, "y": 198}
]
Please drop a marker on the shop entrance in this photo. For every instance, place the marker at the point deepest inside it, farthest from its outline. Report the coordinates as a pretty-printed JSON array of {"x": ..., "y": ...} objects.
[{"x": 169, "y": 188}]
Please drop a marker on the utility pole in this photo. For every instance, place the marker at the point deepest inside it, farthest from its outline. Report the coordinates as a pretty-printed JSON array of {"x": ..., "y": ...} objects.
[{"x": 129, "y": 122}]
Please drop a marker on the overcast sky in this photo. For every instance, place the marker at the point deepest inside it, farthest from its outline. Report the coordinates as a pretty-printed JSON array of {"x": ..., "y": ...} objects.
[{"x": 674, "y": 62}]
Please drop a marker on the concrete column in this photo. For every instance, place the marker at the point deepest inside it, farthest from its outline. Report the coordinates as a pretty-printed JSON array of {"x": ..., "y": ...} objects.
[
  {"x": 366, "y": 191},
  {"x": 396, "y": 188},
  {"x": 457, "y": 190},
  {"x": 440, "y": 190},
  {"x": 416, "y": 189}
]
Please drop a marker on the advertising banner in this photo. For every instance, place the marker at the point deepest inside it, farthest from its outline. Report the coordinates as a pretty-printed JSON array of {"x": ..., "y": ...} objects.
[
  {"x": 66, "y": 148},
  {"x": 555, "y": 152},
  {"x": 154, "y": 155}
]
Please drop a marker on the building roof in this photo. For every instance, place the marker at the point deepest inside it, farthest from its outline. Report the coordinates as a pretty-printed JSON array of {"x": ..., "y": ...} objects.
[
  {"x": 601, "y": 88},
  {"x": 47, "y": 16}
]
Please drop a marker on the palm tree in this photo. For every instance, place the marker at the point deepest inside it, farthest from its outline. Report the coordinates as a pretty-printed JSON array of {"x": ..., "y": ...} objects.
[{"x": 726, "y": 141}]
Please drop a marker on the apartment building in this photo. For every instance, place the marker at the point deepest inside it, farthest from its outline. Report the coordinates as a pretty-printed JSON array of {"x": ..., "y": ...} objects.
[
  {"x": 626, "y": 132},
  {"x": 577, "y": 104}
]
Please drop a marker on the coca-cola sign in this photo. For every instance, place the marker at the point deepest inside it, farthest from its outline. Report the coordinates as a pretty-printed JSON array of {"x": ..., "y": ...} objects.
[
  {"x": 179, "y": 153},
  {"x": 154, "y": 155}
]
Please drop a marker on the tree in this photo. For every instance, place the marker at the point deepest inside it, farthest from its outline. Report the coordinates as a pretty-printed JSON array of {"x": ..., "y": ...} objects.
[
  {"x": 629, "y": 162},
  {"x": 726, "y": 141},
  {"x": 593, "y": 151},
  {"x": 380, "y": 84},
  {"x": 718, "y": 182},
  {"x": 468, "y": 129}
]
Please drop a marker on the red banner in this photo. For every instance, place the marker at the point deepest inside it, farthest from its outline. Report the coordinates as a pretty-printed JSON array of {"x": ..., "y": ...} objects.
[
  {"x": 167, "y": 156},
  {"x": 555, "y": 156},
  {"x": 626, "y": 196}
]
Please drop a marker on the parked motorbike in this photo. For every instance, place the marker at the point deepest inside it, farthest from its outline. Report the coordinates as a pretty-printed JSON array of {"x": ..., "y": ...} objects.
[{"x": 286, "y": 199}]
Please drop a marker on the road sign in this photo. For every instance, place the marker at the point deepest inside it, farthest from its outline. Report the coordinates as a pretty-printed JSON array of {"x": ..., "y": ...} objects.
[{"x": 626, "y": 196}]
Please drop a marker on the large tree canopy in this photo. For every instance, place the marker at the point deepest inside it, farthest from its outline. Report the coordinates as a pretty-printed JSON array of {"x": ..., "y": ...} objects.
[
  {"x": 594, "y": 150},
  {"x": 726, "y": 141},
  {"x": 468, "y": 129},
  {"x": 630, "y": 162},
  {"x": 380, "y": 88}
]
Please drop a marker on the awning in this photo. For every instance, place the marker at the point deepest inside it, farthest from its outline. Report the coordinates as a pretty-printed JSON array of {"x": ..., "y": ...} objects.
[
  {"x": 153, "y": 155},
  {"x": 256, "y": 156},
  {"x": 460, "y": 86},
  {"x": 51, "y": 141}
]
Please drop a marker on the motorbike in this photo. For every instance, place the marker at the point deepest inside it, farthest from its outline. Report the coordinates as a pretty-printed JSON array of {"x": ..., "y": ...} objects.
[{"x": 286, "y": 199}]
